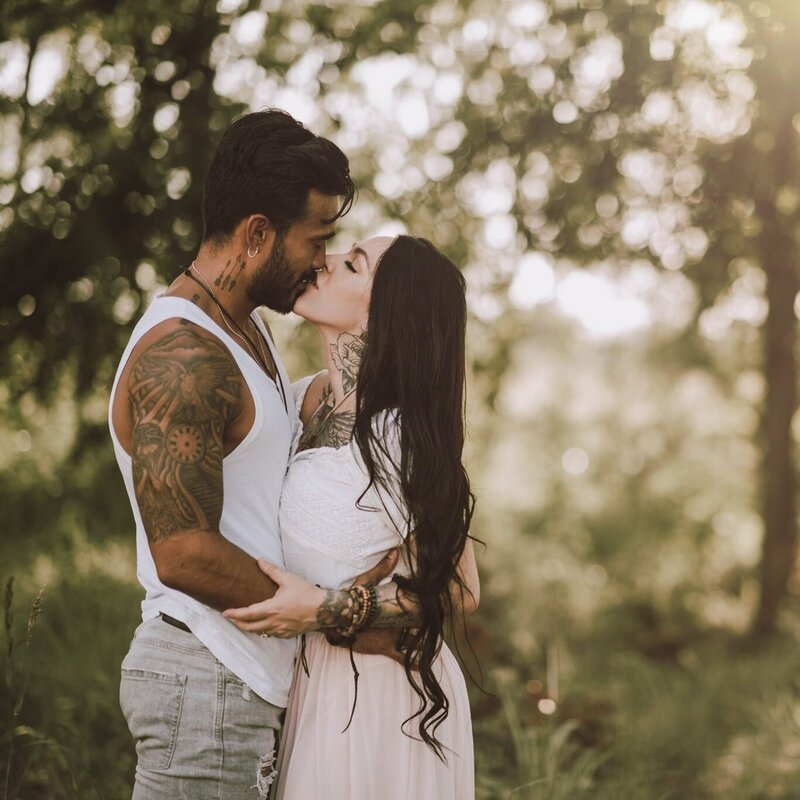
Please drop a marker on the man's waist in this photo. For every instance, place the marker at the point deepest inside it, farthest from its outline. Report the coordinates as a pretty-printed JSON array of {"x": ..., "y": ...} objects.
[{"x": 176, "y": 623}]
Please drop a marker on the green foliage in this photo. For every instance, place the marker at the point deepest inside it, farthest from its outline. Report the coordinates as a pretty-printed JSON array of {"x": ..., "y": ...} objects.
[
  {"x": 617, "y": 479},
  {"x": 69, "y": 740},
  {"x": 15, "y": 686}
]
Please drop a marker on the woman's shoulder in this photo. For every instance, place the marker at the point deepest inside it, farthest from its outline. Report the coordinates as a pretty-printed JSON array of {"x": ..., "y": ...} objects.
[{"x": 309, "y": 392}]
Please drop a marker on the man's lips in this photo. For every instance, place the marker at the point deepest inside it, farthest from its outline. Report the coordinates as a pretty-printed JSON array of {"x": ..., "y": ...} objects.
[{"x": 309, "y": 277}]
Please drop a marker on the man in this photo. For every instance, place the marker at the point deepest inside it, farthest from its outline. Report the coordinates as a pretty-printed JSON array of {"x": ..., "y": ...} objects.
[{"x": 201, "y": 410}]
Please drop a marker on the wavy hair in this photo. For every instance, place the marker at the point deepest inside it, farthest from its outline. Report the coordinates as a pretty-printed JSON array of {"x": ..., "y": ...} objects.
[
  {"x": 414, "y": 367},
  {"x": 266, "y": 163}
]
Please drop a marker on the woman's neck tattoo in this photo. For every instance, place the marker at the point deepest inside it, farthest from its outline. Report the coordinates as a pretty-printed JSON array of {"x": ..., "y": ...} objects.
[
  {"x": 346, "y": 353},
  {"x": 332, "y": 425}
]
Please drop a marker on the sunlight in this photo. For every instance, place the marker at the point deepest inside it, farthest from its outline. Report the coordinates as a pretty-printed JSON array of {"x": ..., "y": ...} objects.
[
  {"x": 248, "y": 30},
  {"x": 533, "y": 283},
  {"x": 604, "y": 308},
  {"x": 50, "y": 63},
  {"x": 575, "y": 461},
  {"x": 13, "y": 62}
]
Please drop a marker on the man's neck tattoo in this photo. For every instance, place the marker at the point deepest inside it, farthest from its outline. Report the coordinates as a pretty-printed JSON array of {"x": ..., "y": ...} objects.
[{"x": 227, "y": 279}]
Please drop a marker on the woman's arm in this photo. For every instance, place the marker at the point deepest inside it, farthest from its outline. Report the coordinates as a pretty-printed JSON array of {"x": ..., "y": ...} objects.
[{"x": 300, "y": 607}]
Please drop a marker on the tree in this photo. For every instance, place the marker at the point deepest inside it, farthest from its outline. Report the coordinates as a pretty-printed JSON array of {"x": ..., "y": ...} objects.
[
  {"x": 584, "y": 131},
  {"x": 616, "y": 131}
]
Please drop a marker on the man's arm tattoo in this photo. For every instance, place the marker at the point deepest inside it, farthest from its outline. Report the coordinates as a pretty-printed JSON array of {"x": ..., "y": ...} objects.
[
  {"x": 184, "y": 389},
  {"x": 336, "y": 610}
]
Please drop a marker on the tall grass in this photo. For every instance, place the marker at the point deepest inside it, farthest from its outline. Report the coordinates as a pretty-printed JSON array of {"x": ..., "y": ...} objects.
[
  {"x": 68, "y": 740},
  {"x": 16, "y": 679},
  {"x": 721, "y": 724},
  {"x": 717, "y": 723},
  {"x": 550, "y": 763}
]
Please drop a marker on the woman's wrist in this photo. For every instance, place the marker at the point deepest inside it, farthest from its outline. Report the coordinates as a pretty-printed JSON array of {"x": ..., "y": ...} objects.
[
  {"x": 335, "y": 609},
  {"x": 348, "y": 611}
]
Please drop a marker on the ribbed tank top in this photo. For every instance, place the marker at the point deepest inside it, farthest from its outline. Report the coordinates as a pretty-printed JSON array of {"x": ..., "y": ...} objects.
[{"x": 252, "y": 478}]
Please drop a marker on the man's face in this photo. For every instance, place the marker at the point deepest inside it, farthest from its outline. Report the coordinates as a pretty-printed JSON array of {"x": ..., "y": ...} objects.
[{"x": 278, "y": 281}]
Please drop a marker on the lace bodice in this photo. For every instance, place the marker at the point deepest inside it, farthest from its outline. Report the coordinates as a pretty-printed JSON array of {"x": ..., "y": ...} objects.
[{"x": 329, "y": 536}]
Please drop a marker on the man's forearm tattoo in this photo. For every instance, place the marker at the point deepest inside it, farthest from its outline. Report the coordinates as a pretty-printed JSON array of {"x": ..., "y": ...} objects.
[
  {"x": 183, "y": 390},
  {"x": 336, "y": 610}
]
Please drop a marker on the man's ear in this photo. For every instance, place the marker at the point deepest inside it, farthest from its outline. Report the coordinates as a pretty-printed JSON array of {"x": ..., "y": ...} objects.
[{"x": 259, "y": 235}]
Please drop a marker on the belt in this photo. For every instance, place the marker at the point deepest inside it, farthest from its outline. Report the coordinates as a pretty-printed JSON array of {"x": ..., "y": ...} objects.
[{"x": 176, "y": 623}]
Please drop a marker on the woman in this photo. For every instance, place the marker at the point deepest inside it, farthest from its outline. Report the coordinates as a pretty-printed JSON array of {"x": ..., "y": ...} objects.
[{"x": 378, "y": 466}]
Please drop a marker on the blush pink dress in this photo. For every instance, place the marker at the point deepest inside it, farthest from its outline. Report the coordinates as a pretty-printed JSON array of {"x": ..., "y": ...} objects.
[{"x": 330, "y": 540}]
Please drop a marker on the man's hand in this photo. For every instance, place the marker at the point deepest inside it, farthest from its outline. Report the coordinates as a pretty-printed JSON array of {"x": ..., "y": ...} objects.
[{"x": 375, "y": 642}]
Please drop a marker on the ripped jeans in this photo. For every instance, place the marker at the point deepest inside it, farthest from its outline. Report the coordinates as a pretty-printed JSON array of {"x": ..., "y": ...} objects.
[{"x": 200, "y": 733}]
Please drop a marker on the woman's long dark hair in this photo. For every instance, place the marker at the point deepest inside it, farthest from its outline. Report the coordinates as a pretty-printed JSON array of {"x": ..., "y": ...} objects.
[{"x": 414, "y": 365}]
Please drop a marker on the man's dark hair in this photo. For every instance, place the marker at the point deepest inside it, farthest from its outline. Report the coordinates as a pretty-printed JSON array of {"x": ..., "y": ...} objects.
[{"x": 266, "y": 163}]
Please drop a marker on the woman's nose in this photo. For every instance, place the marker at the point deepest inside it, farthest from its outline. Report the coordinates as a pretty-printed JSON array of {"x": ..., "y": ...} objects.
[{"x": 332, "y": 261}]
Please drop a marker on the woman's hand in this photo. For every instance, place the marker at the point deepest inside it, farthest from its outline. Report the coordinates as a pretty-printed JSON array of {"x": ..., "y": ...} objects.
[
  {"x": 291, "y": 611},
  {"x": 298, "y": 606}
]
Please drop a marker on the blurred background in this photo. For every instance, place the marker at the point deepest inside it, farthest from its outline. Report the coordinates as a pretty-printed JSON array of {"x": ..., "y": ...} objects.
[{"x": 620, "y": 183}]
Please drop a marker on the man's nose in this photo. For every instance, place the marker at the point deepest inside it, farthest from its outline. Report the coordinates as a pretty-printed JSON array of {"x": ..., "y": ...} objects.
[{"x": 320, "y": 260}]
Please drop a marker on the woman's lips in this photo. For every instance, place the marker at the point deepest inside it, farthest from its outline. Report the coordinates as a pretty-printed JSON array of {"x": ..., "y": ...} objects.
[{"x": 309, "y": 277}]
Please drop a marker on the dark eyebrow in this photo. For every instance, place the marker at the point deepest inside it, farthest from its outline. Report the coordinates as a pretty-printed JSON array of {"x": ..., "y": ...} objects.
[{"x": 363, "y": 253}]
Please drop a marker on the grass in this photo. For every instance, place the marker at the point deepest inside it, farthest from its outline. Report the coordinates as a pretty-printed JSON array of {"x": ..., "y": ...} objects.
[
  {"x": 16, "y": 676},
  {"x": 69, "y": 739},
  {"x": 717, "y": 722},
  {"x": 724, "y": 725}
]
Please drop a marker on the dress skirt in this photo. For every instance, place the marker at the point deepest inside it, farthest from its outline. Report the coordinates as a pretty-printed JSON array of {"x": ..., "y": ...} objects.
[{"x": 373, "y": 759}]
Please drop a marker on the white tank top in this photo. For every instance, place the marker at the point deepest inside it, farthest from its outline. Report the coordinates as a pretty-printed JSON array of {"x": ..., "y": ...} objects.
[{"x": 253, "y": 477}]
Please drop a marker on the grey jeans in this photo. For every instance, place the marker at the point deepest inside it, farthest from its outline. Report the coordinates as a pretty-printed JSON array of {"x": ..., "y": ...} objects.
[{"x": 200, "y": 733}]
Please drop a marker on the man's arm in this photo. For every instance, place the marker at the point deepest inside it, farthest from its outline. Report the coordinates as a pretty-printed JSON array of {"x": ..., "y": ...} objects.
[
  {"x": 382, "y": 637},
  {"x": 184, "y": 390},
  {"x": 398, "y": 608}
]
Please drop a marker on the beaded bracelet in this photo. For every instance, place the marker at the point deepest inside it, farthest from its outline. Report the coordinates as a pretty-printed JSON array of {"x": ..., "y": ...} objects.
[
  {"x": 373, "y": 608},
  {"x": 366, "y": 607},
  {"x": 360, "y": 598}
]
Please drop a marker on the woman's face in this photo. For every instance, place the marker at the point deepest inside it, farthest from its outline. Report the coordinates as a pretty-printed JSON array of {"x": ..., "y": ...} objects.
[{"x": 339, "y": 299}]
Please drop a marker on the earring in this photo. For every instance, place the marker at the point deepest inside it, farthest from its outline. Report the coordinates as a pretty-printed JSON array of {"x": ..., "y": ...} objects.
[{"x": 252, "y": 255}]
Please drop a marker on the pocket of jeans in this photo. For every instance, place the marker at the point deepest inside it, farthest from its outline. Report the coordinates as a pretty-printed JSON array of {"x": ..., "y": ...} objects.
[{"x": 151, "y": 703}]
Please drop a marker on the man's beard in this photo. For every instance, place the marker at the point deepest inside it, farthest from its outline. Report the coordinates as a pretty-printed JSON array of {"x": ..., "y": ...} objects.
[{"x": 275, "y": 284}]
